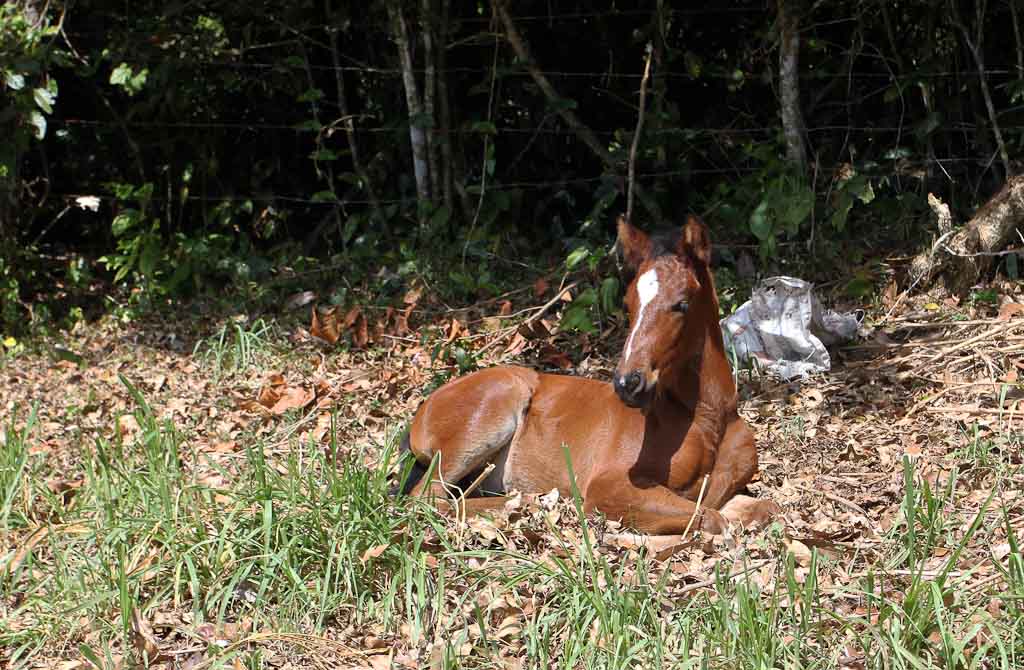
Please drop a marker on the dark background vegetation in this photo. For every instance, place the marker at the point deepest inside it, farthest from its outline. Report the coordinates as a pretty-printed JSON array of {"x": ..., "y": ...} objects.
[{"x": 218, "y": 138}]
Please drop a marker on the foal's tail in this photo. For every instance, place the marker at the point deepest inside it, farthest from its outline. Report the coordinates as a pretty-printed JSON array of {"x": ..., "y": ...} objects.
[{"x": 408, "y": 475}]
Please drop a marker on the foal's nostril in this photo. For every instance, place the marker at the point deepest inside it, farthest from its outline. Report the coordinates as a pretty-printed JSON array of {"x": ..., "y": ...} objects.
[{"x": 628, "y": 385}]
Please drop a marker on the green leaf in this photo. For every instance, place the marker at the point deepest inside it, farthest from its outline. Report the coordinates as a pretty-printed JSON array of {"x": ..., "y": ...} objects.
[
  {"x": 859, "y": 287},
  {"x": 311, "y": 95},
  {"x": 586, "y": 298},
  {"x": 144, "y": 192},
  {"x": 324, "y": 196},
  {"x": 483, "y": 127},
  {"x": 124, "y": 221},
  {"x": 38, "y": 123},
  {"x": 351, "y": 225},
  {"x": 867, "y": 193},
  {"x": 149, "y": 256},
  {"x": 123, "y": 77},
  {"x": 90, "y": 655},
  {"x": 138, "y": 81},
  {"x": 15, "y": 81},
  {"x": 694, "y": 64},
  {"x": 610, "y": 288},
  {"x": 181, "y": 273},
  {"x": 558, "y": 104},
  {"x": 324, "y": 155},
  {"x": 577, "y": 318},
  {"x": 439, "y": 219},
  {"x": 839, "y": 216},
  {"x": 799, "y": 209},
  {"x": 928, "y": 126},
  {"x": 577, "y": 256},
  {"x": 120, "y": 75},
  {"x": 760, "y": 224},
  {"x": 896, "y": 153},
  {"x": 1016, "y": 90}
]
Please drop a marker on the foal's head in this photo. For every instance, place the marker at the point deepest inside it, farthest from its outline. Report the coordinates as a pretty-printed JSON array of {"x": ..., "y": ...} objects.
[{"x": 668, "y": 304}]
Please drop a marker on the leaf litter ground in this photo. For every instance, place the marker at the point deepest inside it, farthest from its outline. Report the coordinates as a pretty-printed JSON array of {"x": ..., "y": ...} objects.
[{"x": 211, "y": 499}]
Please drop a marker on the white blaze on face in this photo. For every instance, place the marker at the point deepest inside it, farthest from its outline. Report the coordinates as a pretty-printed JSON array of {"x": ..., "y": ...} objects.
[{"x": 646, "y": 289}]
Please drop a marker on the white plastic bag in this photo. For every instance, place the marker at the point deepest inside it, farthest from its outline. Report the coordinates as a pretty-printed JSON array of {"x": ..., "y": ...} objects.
[{"x": 784, "y": 329}]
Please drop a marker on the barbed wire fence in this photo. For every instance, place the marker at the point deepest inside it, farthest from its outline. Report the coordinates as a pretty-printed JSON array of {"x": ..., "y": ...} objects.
[{"x": 886, "y": 80}]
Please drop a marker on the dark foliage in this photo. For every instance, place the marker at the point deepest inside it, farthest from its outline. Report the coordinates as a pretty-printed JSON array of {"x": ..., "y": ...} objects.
[{"x": 219, "y": 137}]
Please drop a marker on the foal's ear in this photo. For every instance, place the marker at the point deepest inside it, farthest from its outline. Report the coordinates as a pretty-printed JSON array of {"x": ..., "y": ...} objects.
[
  {"x": 695, "y": 240},
  {"x": 635, "y": 244}
]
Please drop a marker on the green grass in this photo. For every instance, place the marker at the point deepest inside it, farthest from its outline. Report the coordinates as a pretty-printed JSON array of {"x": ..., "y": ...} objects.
[
  {"x": 236, "y": 347},
  {"x": 310, "y": 542}
]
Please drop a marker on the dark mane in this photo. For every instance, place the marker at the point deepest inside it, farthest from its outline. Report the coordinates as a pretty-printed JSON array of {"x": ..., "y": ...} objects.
[{"x": 665, "y": 242}]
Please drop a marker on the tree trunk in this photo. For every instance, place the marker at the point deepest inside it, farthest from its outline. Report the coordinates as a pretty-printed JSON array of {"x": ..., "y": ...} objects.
[
  {"x": 659, "y": 83},
  {"x": 974, "y": 46},
  {"x": 927, "y": 97},
  {"x": 789, "y": 84},
  {"x": 630, "y": 181},
  {"x": 444, "y": 120},
  {"x": 417, "y": 136},
  {"x": 1017, "y": 39},
  {"x": 429, "y": 93},
  {"x": 960, "y": 258}
]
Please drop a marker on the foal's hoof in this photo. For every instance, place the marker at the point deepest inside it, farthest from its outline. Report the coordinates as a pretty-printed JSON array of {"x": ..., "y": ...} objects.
[{"x": 750, "y": 513}]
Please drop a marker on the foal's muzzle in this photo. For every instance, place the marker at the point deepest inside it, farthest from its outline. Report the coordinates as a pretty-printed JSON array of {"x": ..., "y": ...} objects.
[{"x": 633, "y": 389}]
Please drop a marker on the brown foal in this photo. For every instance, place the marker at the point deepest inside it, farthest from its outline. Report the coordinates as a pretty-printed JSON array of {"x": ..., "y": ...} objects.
[{"x": 643, "y": 447}]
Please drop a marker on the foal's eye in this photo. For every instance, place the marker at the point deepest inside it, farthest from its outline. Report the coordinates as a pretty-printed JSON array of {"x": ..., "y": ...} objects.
[{"x": 681, "y": 306}]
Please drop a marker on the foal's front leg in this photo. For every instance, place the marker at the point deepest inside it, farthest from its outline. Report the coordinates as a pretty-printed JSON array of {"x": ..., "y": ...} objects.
[
  {"x": 650, "y": 508},
  {"x": 735, "y": 466}
]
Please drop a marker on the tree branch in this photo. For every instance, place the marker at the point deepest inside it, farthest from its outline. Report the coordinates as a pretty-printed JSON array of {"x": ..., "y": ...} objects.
[
  {"x": 636, "y": 137},
  {"x": 575, "y": 124},
  {"x": 974, "y": 46},
  {"x": 353, "y": 146},
  {"x": 789, "y": 85},
  {"x": 429, "y": 91},
  {"x": 444, "y": 119},
  {"x": 412, "y": 98}
]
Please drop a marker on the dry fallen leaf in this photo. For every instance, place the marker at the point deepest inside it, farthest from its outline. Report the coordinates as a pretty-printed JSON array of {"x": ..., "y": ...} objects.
[
  {"x": 277, "y": 397},
  {"x": 516, "y": 346},
  {"x": 373, "y": 552},
  {"x": 325, "y": 325},
  {"x": 801, "y": 553},
  {"x": 402, "y": 320},
  {"x": 1010, "y": 310},
  {"x": 127, "y": 426},
  {"x": 360, "y": 330},
  {"x": 143, "y": 638},
  {"x": 556, "y": 357},
  {"x": 453, "y": 331}
]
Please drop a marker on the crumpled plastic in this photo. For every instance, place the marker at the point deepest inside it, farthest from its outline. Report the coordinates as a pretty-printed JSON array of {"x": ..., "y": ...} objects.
[{"x": 784, "y": 330}]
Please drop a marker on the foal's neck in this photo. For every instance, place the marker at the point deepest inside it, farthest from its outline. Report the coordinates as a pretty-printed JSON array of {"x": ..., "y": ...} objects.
[{"x": 702, "y": 382}]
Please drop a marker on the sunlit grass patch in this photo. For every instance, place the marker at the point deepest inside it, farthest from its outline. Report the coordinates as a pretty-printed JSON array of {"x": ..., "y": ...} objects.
[
  {"x": 236, "y": 347},
  {"x": 161, "y": 552}
]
